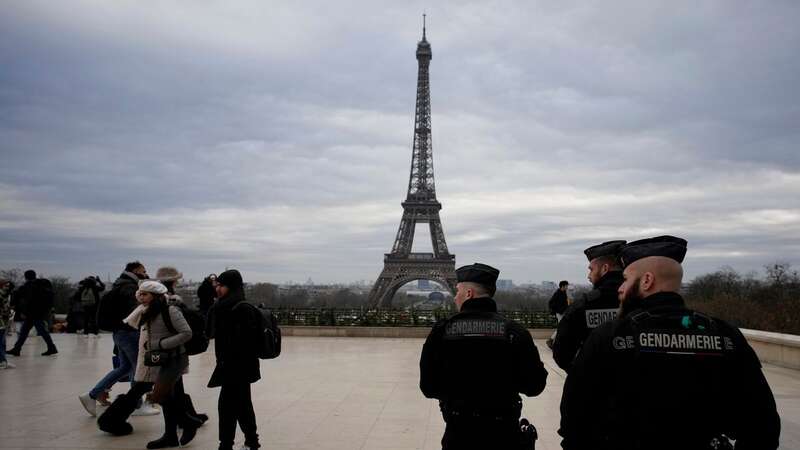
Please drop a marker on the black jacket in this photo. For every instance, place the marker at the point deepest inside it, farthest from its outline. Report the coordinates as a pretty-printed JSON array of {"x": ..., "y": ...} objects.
[
  {"x": 665, "y": 377},
  {"x": 34, "y": 299},
  {"x": 118, "y": 303},
  {"x": 205, "y": 296},
  {"x": 235, "y": 332},
  {"x": 558, "y": 302},
  {"x": 479, "y": 360},
  {"x": 587, "y": 313}
]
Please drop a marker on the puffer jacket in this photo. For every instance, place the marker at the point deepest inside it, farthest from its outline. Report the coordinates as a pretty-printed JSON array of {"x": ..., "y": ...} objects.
[{"x": 155, "y": 335}]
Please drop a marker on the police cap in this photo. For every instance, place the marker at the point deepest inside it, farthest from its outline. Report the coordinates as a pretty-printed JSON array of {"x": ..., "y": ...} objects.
[
  {"x": 478, "y": 273},
  {"x": 608, "y": 248},
  {"x": 668, "y": 246}
]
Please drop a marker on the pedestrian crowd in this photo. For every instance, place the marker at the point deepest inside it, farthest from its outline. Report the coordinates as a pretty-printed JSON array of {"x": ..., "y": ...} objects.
[
  {"x": 154, "y": 333},
  {"x": 642, "y": 370}
]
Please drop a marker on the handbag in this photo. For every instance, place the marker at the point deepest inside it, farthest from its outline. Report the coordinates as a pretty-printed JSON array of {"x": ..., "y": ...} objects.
[{"x": 157, "y": 358}]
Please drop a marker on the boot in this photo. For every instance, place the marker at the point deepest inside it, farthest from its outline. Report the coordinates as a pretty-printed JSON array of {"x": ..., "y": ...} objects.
[
  {"x": 114, "y": 419},
  {"x": 191, "y": 412},
  {"x": 165, "y": 441}
]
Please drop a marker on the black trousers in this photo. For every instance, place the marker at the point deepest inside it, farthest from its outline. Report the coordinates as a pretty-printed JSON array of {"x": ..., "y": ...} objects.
[
  {"x": 90, "y": 319},
  {"x": 174, "y": 409},
  {"x": 477, "y": 434},
  {"x": 236, "y": 406}
]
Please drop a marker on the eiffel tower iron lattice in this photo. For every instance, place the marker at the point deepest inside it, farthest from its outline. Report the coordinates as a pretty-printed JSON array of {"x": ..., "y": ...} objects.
[{"x": 421, "y": 206}]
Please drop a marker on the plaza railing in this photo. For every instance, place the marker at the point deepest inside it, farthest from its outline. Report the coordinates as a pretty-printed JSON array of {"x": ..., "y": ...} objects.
[{"x": 356, "y": 317}]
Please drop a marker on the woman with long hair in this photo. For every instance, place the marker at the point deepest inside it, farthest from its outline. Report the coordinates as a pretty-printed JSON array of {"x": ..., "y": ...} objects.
[{"x": 161, "y": 362}]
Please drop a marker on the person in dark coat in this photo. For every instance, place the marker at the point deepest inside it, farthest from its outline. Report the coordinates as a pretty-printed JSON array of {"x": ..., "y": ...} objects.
[
  {"x": 116, "y": 305},
  {"x": 661, "y": 376},
  {"x": 476, "y": 363},
  {"x": 558, "y": 304},
  {"x": 35, "y": 302},
  {"x": 593, "y": 308},
  {"x": 206, "y": 294},
  {"x": 88, "y": 295},
  {"x": 235, "y": 330}
]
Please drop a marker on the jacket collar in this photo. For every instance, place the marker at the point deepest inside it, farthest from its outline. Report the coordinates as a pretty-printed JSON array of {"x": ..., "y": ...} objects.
[
  {"x": 230, "y": 300},
  {"x": 483, "y": 304},
  {"x": 662, "y": 299},
  {"x": 613, "y": 277}
]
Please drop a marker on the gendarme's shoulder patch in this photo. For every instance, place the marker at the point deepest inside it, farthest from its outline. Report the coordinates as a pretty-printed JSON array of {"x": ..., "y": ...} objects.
[
  {"x": 597, "y": 317},
  {"x": 484, "y": 328}
]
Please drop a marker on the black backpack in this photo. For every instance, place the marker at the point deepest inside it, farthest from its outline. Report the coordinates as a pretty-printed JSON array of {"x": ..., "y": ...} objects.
[
  {"x": 268, "y": 343},
  {"x": 199, "y": 342}
]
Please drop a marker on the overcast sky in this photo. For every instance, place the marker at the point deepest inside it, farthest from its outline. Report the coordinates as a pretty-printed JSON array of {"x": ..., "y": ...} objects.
[{"x": 275, "y": 137}]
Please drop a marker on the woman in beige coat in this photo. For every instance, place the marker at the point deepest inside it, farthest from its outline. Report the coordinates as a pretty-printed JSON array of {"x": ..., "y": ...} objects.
[{"x": 161, "y": 362}]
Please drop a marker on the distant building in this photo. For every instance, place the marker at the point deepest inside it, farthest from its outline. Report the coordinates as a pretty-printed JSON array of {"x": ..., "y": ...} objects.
[{"x": 505, "y": 285}]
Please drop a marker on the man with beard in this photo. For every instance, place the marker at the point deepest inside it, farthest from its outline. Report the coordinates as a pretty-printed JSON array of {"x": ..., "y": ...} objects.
[
  {"x": 476, "y": 363},
  {"x": 661, "y": 376},
  {"x": 594, "y": 308}
]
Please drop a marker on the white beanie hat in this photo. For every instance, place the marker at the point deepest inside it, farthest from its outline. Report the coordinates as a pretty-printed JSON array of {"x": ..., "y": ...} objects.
[{"x": 152, "y": 286}]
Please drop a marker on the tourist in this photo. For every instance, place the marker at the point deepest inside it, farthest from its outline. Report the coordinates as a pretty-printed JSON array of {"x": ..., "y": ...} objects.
[
  {"x": 476, "y": 363},
  {"x": 169, "y": 277},
  {"x": 557, "y": 304},
  {"x": 113, "y": 308},
  {"x": 661, "y": 376},
  {"x": 5, "y": 320},
  {"x": 160, "y": 364},
  {"x": 235, "y": 332},
  {"x": 88, "y": 294},
  {"x": 34, "y": 299},
  {"x": 206, "y": 294},
  {"x": 594, "y": 308}
]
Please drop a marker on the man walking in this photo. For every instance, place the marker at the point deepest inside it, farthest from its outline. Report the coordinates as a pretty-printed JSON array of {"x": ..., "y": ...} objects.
[
  {"x": 35, "y": 301},
  {"x": 234, "y": 326},
  {"x": 558, "y": 305},
  {"x": 476, "y": 363},
  {"x": 113, "y": 308}
]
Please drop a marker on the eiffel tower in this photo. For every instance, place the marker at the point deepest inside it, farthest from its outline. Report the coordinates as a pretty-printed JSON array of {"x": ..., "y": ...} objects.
[{"x": 401, "y": 265}]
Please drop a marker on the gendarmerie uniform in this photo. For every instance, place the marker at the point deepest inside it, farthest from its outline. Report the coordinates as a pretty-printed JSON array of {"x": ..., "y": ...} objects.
[
  {"x": 476, "y": 363},
  {"x": 591, "y": 310},
  {"x": 666, "y": 377}
]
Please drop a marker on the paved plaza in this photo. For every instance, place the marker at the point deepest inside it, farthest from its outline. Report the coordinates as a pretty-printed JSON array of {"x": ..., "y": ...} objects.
[{"x": 322, "y": 393}]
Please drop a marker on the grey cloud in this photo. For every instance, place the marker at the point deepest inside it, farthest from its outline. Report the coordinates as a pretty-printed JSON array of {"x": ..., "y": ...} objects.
[{"x": 278, "y": 139}]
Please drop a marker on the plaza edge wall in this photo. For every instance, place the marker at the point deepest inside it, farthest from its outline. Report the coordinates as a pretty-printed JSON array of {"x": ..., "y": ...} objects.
[{"x": 774, "y": 348}]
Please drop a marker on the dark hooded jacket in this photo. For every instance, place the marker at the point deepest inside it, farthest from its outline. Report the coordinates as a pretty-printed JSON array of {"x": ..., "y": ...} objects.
[
  {"x": 118, "y": 303},
  {"x": 34, "y": 299},
  {"x": 235, "y": 331}
]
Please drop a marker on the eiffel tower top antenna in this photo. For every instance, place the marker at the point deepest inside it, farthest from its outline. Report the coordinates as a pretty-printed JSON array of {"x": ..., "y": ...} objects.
[{"x": 423, "y": 26}]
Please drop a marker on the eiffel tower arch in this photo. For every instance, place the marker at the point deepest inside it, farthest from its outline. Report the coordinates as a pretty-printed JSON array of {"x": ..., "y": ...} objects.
[{"x": 401, "y": 266}]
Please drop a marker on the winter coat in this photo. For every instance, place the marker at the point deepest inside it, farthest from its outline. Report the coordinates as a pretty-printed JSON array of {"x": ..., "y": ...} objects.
[
  {"x": 558, "y": 302},
  {"x": 118, "y": 303},
  {"x": 155, "y": 335},
  {"x": 34, "y": 299},
  {"x": 235, "y": 332}
]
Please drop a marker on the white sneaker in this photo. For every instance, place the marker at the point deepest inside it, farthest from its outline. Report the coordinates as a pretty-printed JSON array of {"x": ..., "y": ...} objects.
[
  {"x": 7, "y": 365},
  {"x": 146, "y": 409},
  {"x": 89, "y": 404}
]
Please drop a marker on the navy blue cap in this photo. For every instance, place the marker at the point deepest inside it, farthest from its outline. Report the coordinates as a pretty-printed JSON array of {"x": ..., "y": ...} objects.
[
  {"x": 668, "y": 246},
  {"x": 478, "y": 273},
  {"x": 608, "y": 248}
]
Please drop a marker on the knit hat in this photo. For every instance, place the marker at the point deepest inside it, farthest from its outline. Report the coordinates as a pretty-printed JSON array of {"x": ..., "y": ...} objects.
[
  {"x": 168, "y": 273},
  {"x": 154, "y": 287},
  {"x": 231, "y": 278}
]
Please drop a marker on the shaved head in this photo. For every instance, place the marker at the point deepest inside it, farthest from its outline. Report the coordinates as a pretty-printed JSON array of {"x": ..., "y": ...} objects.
[{"x": 648, "y": 276}]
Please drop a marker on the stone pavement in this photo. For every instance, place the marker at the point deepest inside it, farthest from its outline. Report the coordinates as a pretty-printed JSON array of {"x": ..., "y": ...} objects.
[{"x": 322, "y": 393}]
